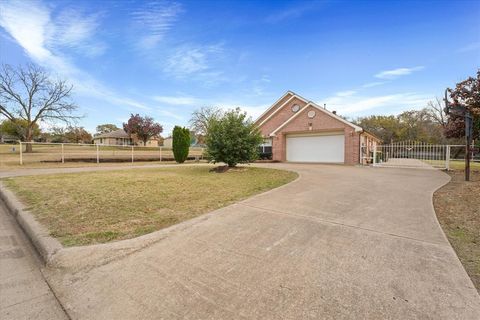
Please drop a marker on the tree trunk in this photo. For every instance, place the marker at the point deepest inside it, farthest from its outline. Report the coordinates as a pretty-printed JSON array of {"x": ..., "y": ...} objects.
[{"x": 28, "y": 138}]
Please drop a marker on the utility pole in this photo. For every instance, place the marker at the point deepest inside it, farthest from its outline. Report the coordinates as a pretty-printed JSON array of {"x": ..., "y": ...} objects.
[{"x": 468, "y": 141}]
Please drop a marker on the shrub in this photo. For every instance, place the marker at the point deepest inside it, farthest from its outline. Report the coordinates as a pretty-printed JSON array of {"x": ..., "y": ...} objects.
[
  {"x": 232, "y": 139},
  {"x": 180, "y": 143}
]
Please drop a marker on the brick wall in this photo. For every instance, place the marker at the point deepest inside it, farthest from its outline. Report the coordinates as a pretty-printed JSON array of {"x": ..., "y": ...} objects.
[{"x": 322, "y": 122}]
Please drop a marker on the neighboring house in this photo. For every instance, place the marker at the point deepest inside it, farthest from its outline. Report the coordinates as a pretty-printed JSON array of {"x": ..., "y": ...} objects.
[
  {"x": 299, "y": 130},
  {"x": 168, "y": 142},
  {"x": 121, "y": 138},
  {"x": 5, "y": 138}
]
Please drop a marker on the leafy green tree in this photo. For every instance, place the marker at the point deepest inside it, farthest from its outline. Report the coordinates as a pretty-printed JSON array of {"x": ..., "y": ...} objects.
[
  {"x": 18, "y": 129},
  {"x": 180, "y": 143},
  {"x": 232, "y": 138},
  {"x": 386, "y": 128},
  {"x": 78, "y": 135},
  {"x": 106, "y": 128}
]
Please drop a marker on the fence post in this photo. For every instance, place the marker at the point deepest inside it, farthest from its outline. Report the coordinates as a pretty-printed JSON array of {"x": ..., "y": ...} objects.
[
  {"x": 132, "y": 153},
  {"x": 21, "y": 153},
  {"x": 63, "y": 155},
  {"x": 160, "y": 153},
  {"x": 447, "y": 158},
  {"x": 375, "y": 155},
  {"x": 98, "y": 155}
]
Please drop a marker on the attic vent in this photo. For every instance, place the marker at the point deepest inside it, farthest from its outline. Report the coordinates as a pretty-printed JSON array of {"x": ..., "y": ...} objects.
[{"x": 295, "y": 107}]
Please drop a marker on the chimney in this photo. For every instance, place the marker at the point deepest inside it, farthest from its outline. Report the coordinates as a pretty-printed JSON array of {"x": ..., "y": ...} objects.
[
  {"x": 325, "y": 106},
  {"x": 334, "y": 112}
]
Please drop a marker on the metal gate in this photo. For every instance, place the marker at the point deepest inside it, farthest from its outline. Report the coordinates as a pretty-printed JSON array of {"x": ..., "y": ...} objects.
[{"x": 411, "y": 154}]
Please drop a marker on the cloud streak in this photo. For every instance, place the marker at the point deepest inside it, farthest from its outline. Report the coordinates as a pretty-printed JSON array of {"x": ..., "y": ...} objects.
[
  {"x": 395, "y": 73},
  {"x": 30, "y": 25},
  {"x": 351, "y": 105},
  {"x": 156, "y": 18}
]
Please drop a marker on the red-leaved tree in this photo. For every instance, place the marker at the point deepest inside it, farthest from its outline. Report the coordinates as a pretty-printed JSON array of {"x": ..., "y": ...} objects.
[
  {"x": 143, "y": 127},
  {"x": 465, "y": 95}
]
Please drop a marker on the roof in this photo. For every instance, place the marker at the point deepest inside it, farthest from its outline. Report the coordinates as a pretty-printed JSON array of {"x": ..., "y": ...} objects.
[
  {"x": 308, "y": 103},
  {"x": 114, "y": 134}
]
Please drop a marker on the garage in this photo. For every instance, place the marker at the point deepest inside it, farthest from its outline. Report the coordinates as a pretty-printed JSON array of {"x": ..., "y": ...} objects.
[{"x": 329, "y": 148}]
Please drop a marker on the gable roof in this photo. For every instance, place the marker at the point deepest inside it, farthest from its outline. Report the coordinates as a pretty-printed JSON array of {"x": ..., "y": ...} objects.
[
  {"x": 274, "y": 104},
  {"x": 308, "y": 103},
  {"x": 120, "y": 133}
]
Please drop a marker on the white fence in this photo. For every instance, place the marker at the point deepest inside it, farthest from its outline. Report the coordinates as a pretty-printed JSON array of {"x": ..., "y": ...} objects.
[
  {"x": 414, "y": 154},
  {"x": 96, "y": 153}
]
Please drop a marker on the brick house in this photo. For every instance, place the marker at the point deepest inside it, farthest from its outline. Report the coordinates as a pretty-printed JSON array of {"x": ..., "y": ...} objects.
[
  {"x": 121, "y": 138},
  {"x": 299, "y": 130}
]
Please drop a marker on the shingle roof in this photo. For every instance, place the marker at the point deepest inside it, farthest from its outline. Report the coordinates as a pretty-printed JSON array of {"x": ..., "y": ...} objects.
[{"x": 114, "y": 134}]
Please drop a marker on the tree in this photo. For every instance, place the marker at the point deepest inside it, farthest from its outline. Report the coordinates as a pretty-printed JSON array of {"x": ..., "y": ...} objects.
[
  {"x": 106, "y": 128},
  {"x": 18, "y": 129},
  {"x": 465, "y": 95},
  {"x": 78, "y": 135},
  {"x": 180, "y": 143},
  {"x": 202, "y": 117},
  {"x": 232, "y": 139},
  {"x": 436, "y": 112},
  {"x": 143, "y": 127},
  {"x": 386, "y": 128},
  {"x": 28, "y": 93}
]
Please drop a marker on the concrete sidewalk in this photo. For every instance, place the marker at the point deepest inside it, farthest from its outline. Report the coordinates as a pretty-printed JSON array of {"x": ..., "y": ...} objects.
[
  {"x": 339, "y": 243},
  {"x": 24, "y": 293}
]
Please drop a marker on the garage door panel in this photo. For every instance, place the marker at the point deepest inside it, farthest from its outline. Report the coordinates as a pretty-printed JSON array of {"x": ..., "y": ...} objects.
[{"x": 316, "y": 148}]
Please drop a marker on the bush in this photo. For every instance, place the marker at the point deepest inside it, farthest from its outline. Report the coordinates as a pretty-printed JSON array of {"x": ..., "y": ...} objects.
[
  {"x": 180, "y": 143},
  {"x": 232, "y": 139}
]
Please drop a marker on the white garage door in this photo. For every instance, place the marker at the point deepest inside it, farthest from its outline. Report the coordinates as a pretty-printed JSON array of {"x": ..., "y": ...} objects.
[{"x": 316, "y": 148}]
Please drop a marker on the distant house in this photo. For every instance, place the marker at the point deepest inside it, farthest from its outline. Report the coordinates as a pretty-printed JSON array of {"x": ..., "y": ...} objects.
[
  {"x": 121, "y": 138},
  {"x": 5, "y": 138},
  {"x": 168, "y": 142}
]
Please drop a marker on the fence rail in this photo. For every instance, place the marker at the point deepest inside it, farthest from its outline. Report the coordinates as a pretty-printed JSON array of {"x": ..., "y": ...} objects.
[
  {"x": 37, "y": 152},
  {"x": 414, "y": 154}
]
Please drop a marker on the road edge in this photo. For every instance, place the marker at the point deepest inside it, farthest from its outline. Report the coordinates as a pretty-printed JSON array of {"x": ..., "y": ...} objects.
[{"x": 36, "y": 233}]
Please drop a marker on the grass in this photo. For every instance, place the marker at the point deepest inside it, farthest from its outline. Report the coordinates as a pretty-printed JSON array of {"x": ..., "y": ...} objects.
[
  {"x": 97, "y": 207},
  {"x": 457, "y": 205}
]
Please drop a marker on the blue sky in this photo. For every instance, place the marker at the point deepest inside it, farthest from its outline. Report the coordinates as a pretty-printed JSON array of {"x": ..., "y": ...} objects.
[{"x": 167, "y": 58}]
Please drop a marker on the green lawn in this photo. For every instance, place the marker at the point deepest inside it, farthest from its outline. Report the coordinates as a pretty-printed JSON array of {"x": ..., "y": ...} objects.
[{"x": 97, "y": 207}]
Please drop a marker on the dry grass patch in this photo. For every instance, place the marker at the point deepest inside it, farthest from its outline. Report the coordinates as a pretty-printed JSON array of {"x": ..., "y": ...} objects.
[
  {"x": 96, "y": 207},
  {"x": 457, "y": 205}
]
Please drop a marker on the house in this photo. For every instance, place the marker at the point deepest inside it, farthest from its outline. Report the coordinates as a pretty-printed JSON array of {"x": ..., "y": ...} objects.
[
  {"x": 5, "y": 138},
  {"x": 298, "y": 130},
  {"x": 168, "y": 142},
  {"x": 121, "y": 138}
]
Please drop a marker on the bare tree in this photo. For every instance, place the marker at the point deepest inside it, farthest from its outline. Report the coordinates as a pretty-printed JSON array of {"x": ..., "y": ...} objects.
[
  {"x": 29, "y": 94},
  {"x": 436, "y": 112},
  {"x": 201, "y": 118}
]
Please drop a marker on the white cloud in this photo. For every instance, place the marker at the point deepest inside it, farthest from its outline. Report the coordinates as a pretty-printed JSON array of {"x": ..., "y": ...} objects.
[
  {"x": 395, "y": 73},
  {"x": 352, "y": 105},
  {"x": 196, "y": 62},
  {"x": 155, "y": 19},
  {"x": 346, "y": 93},
  {"x": 373, "y": 84},
  {"x": 176, "y": 100},
  {"x": 169, "y": 114},
  {"x": 30, "y": 24},
  {"x": 293, "y": 12},
  {"x": 474, "y": 46},
  {"x": 71, "y": 29}
]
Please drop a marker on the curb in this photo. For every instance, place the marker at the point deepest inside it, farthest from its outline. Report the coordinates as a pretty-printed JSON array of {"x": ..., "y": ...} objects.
[{"x": 38, "y": 235}]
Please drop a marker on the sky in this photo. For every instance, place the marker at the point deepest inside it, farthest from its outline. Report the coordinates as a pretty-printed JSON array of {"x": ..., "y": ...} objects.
[{"x": 167, "y": 58}]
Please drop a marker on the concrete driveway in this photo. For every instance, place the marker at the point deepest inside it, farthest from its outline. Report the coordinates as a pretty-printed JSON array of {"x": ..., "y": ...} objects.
[{"x": 338, "y": 243}]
